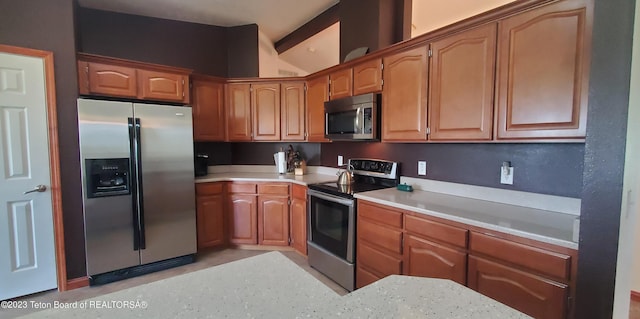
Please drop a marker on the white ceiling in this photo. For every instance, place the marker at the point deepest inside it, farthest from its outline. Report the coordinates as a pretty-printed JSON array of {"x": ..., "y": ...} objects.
[
  {"x": 275, "y": 18},
  {"x": 317, "y": 52}
]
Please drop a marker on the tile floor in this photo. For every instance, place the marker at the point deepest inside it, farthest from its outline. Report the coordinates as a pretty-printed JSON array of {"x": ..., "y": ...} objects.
[{"x": 204, "y": 260}]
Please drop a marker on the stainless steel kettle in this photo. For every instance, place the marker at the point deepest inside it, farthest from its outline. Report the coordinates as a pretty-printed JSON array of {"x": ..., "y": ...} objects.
[{"x": 346, "y": 177}]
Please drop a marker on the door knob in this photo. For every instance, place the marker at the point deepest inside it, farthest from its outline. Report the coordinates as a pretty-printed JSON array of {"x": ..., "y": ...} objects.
[{"x": 39, "y": 189}]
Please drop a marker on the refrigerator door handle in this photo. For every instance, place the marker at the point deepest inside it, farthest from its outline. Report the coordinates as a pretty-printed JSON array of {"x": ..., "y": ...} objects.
[
  {"x": 133, "y": 183},
  {"x": 139, "y": 182}
]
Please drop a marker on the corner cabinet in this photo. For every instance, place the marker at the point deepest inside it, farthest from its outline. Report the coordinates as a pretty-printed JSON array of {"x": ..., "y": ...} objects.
[
  {"x": 265, "y": 111},
  {"x": 208, "y": 110},
  {"x": 543, "y": 72},
  {"x": 111, "y": 77},
  {"x": 404, "y": 96},
  {"x": 273, "y": 214},
  {"x": 243, "y": 213},
  {"x": 317, "y": 94},
  {"x": 461, "y": 86}
]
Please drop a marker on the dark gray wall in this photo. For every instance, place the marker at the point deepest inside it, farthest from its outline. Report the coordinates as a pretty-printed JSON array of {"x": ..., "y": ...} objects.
[
  {"x": 604, "y": 157},
  {"x": 262, "y": 153},
  {"x": 242, "y": 53},
  {"x": 219, "y": 152},
  {"x": 200, "y": 47},
  {"x": 49, "y": 25},
  {"x": 554, "y": 169}
]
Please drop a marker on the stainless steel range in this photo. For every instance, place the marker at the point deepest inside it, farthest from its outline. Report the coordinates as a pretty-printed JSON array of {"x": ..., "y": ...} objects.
[{"x": 332, "y": 218}]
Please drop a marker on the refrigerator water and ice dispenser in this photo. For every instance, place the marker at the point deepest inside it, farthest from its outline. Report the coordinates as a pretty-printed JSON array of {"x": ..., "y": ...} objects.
[{"x": 107, "y": 177}]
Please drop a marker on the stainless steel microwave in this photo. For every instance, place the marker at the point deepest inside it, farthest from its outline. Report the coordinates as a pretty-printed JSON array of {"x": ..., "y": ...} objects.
[{"x": 353, "y": 118}]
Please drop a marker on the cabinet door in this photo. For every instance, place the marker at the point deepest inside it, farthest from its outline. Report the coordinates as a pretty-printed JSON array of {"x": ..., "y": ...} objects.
[
  {"x": 367, "y": 77},
  {"x": 317, "y": 94},
  {"x": 376, "y": 262},
  {"x": 273, "y": 220},
  {"x": 238, "y": 107},
  {"x": 404, "y": 98},
  {"x": 425, "y": 258},
  {"x": 340, "y": 84},
  {"x": 461, "y": 85},
  {"x": 243, "y": 219},
  {"x": 265, "y": 108},
  {"x": 208, "y": 111},
  {"x": 543, "y": 72},
  {"x": 105, "y": 79},
  {"x": 162, "y": 86},
  {"x": 533, "y": 295},
  {"x": 299, "y": 225},
  {"x": 293, "y": 114},
  {"x": 211, "y": 221}
]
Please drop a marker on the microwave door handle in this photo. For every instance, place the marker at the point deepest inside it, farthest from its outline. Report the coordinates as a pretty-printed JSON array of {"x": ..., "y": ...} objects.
[{"x": 359, "y": 113}]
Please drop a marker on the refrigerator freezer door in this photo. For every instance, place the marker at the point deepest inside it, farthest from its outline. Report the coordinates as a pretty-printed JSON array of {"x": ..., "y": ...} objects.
[
  {"x": 109, "y": 231},
  {"x": 166, "y": 144}
]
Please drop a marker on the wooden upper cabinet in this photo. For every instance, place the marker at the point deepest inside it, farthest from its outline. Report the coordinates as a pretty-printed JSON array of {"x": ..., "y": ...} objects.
[
  {"x": 154, "y": 85},
  {"x": 367, "y": 77},
  {"x": 543, "y": 72},
  {"x": 341, "y": 84},
  {"x": 238, "y": 109},
  {"x": 404, "y": 97},
  {"x": 107, "y": 79},
  {"x": 317, "y": 94},
  {"x": 461, "y": 85},
  {"x": 293, "y": 111},
  {"x": 208, "y": 111},
  {"x": 265, "y": 108}
]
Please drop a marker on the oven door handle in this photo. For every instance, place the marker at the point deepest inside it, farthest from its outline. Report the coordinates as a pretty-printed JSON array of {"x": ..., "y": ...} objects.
[{"x": 336, "y": 199}]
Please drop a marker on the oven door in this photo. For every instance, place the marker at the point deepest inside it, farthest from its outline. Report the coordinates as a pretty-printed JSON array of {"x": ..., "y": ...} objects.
[{"x": 332, "y": 223}]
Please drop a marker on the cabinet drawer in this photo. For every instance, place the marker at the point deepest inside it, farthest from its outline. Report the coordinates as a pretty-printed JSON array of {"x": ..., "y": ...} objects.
[
  {"x": 276, "y": 189},
  {"x": 531, "y": 294},
  {"x": 209, "y": 188},
  {"x": 298, "y": 191},
  {"x": 380, "y": 214},
  {"x": 249, "y": 188},
  {"x": 379, "y": 263},
  {"x": 380, "y": 236},
  {"x": 448, "y": 234},
  {"x": 544, "y": 261}
]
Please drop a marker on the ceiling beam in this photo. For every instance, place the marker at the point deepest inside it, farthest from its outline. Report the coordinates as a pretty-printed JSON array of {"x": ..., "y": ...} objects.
[{"x": 309, "y": 29}]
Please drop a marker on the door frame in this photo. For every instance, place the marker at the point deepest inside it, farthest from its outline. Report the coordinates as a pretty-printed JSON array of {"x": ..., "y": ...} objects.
[{"x": 54, "y": 155}]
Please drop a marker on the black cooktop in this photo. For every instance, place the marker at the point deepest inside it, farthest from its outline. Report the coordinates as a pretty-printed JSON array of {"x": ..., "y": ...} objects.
[{"x": 368, "y": 175}]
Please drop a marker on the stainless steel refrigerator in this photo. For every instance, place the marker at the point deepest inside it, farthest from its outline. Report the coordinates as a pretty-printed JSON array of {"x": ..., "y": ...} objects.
[{"x": 138, "y": 187}]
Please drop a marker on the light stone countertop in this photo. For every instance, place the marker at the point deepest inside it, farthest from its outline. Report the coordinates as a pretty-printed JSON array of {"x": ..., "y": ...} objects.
[
  {"x": 304, "y": 180},
  {"x": 272, "y": 286},
  {"x": 538, "y": 224},
  {"x": 545, "y": 226}
]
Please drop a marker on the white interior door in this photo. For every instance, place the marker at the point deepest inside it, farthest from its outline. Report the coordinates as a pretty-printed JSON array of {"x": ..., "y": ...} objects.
[{"x": 27, "y": 254}]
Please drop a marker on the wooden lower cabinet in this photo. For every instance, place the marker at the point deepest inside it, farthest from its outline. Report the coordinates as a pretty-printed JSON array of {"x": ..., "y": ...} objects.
[
  {"x": 243, "y": 219},
  {"x": 273, "y": 220},
  {"x": 210, "y": 215},
  {"x": 531, "y": 294},
  {"x": 426, "y": 258},
  {"x": 298, "y": 211}
]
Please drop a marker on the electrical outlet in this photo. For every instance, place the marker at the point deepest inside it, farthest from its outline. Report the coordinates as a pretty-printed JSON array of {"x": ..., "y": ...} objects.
[
  {"x": 422, "y": 168},
  {"x": 506, "y": 175},
  {"x": 340, "y": 160}
]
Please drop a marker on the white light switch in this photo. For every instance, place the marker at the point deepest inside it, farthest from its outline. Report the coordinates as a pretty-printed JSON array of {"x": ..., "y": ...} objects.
[
  {"x": 422, "y": 168},
  {"x": 340, "y": 160}
]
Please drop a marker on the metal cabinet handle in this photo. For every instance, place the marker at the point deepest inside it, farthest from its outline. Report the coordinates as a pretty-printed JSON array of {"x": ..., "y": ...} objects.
[{"x": 39, "y": 189}]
